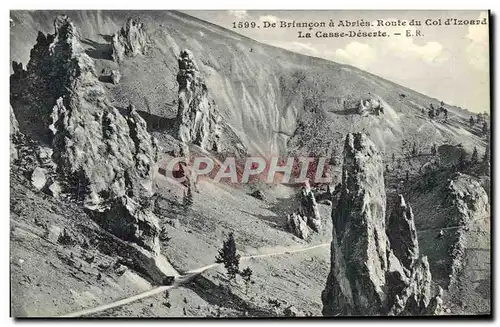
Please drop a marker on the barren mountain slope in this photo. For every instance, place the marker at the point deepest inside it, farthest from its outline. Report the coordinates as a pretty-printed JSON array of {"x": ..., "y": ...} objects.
[{"x": 271, "y": 97}]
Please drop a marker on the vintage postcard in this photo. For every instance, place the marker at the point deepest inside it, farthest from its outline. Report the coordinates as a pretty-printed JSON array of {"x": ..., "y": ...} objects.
[{"x": 243, "y": 163}]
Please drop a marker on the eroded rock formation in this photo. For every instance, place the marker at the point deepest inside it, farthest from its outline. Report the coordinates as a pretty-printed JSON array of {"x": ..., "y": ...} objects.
[
  {"x": 369, "y": 275},
  {"x": 403, "y": 234},
  {"x": 131, "y": 40},
  {"x": 298, "y": 225},
  {"x": 309, "y": 208},
  {"x": 100, "y": 154},
  {"x": 197, "y": 119},
  {"x": 109, "y": 153}
]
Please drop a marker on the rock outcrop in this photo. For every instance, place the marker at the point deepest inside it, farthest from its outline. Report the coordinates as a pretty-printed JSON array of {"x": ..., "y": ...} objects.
[
  {"x": 131, "y": 40},
  {"x": 309, "y": 208},
  {"x": 298, "y": 225},
  {"x": 100, "y": 154},
  {"x": 112, "y": 76},
  {"x": 367, "y": 276},
  {"x": 197, "y": 120},
  {"x": 364, "y": 106},
  {"x": 110, "y": 154},
  {"x": 403, "y": 234}
]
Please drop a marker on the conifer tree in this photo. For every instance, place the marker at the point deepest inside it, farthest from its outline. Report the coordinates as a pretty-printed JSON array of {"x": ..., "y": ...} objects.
[{"x": 227, "y": 256}]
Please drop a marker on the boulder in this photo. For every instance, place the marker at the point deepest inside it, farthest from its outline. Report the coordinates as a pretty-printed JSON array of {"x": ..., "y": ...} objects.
[
  {"x": 55, "y": 189},
  {"x": 292, "y": 311},
  {"x": 403, "y": 234}
]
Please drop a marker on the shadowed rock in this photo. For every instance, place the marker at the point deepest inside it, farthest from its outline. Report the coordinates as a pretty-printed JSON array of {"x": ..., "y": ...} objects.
[
  {"x": 130, "y": 221},
  {"x": 298, "y": 225},
  {"x": 403, "y": 234}
]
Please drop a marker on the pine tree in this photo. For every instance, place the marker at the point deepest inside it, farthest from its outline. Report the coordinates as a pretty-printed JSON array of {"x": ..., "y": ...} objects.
[
  {"x": 471, "y": 121},
  {"x": 474, "y": 157},
  {"x": 227, "y": 256},
  {"x": 246, "y": 274}
]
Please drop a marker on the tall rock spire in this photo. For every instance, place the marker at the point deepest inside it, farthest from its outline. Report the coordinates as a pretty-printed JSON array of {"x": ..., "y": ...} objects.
[
  {"x": 368, "y": 276},
  {"x": 197, "y": 120}
]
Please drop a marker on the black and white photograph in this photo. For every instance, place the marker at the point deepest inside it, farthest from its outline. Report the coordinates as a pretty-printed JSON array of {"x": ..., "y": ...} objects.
[{"x": 218, "y": 164}]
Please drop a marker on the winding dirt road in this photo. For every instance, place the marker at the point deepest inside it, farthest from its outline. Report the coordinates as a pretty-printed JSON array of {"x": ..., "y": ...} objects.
[{"x": 180, "y": 281}]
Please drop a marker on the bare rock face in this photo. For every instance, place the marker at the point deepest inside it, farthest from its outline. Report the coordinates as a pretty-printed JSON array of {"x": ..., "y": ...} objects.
[
  {"x": 298, "y": 225},
  {"x": 131, "y": 40},
  {"x": 309, "y": 208},
  {"x": 359, "y": 246},
  {"x": 197, "y": 121},
  {"x": 367, "y": 276}
]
